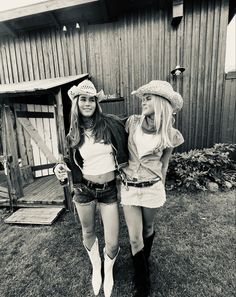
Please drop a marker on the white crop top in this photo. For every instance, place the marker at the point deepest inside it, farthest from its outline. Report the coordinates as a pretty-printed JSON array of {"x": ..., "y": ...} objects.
[{"x": 98, "y": 157}]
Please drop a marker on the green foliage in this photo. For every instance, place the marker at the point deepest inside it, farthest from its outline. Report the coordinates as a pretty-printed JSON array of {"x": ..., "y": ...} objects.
[{"x": 193, "y": 170}]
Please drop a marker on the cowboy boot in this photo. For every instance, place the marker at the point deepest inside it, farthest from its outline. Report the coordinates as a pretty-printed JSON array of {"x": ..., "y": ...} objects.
[
  {"x": 141, "y": 275},
  {"x": 148, "y": 241},
  {"x": 95, "y": 259},
  {"x": 108, "y": 273}
]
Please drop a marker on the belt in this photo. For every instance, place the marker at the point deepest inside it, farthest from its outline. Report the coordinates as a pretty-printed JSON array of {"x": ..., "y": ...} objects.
[
  {"x": 91, "y": 185},
  {"x": 142, "y": 184}
]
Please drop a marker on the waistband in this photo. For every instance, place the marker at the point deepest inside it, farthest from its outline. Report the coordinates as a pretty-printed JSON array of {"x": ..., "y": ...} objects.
[
  {"x": 91, "y": 185},
  {"x": 143, "y": 184}
]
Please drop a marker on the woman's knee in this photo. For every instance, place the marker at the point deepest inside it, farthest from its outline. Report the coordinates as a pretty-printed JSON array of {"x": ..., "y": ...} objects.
[
  {"x": 148, "y": 230},
  {"x": 111, "y": 249},
  {"x": 136, "y": 241},
  {"x": 88, "y": 232}
]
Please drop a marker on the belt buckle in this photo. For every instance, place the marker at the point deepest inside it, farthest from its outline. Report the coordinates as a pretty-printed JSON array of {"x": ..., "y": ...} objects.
[{"x": 88, "y": 183}]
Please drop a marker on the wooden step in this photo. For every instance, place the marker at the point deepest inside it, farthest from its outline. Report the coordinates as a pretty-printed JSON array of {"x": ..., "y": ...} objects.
[{"x": 34, "y": 216}]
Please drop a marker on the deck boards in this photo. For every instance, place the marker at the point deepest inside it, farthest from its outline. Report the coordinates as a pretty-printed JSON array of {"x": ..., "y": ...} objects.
[
  {"x": 35, "y": 216},
  {"x": 44, "y": 190}
]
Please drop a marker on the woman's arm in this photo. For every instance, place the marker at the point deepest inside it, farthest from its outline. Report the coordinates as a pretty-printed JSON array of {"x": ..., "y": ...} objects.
[{"x": 165, "y": 162}]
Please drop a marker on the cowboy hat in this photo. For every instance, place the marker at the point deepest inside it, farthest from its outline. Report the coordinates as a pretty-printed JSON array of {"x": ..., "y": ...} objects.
[
  {"x": 86, "y": 87},
  {"x": 163, "y": 89}
]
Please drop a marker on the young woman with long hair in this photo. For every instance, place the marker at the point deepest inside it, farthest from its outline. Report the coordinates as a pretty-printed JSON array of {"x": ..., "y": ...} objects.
[
  {"x": 98, "y": 148},
  {"x": 151, "y": 141}
]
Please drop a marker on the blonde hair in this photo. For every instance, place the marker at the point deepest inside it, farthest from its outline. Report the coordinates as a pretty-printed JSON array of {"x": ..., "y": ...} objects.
[{"x": 163, "y": 119}]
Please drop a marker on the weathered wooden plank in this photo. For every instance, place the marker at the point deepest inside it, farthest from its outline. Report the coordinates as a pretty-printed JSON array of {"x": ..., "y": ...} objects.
[
  {"x": 53, "y": 133},
  {"x": 13, "y": 60},
  {"x": 3, "y": 189},
  {"x": 43, "y": 166},
  {"x": 4, "y": 194},
  {"x": 34, "y": 114},
  {"x": 41, "y": 132},
  {"x": 47, "y": 132},
  {"x": 61, "y": 142},
  {"x": 37, "y": 138},
  {"x": 35, "y": 149},
  {"x": 34, "y": 50},
  {"x": 19, "y": 66},
  {"x": 38, "y": 216},
  {"x": 10, "y": 148},
  {"x": 21, "y": 140},
  {"x": 42, "y": 63}
]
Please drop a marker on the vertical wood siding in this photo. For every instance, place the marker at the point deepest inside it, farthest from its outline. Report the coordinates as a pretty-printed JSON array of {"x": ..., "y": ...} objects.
[
  {"x": 140, "y": 46},
  {"x": 228, "y": 131}
]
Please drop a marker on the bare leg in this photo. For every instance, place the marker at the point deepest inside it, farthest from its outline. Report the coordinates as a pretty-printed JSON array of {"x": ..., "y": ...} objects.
[
  {"x": 133, "y": 218},
  {"x": 110, "y": 218},
  {"x": 86, "y": 214},
  {"x": 87, "y": 218},
  {"x": 148, "y": 221}
]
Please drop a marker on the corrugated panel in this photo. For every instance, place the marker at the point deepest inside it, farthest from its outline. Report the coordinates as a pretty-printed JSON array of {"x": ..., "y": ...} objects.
[{"x": 139, "y": 47}]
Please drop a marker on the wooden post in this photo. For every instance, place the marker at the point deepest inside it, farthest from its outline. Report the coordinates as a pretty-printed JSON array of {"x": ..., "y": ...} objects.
[
  {"x": 10, "y": 149},
  {"x": 62, "y": 143}
]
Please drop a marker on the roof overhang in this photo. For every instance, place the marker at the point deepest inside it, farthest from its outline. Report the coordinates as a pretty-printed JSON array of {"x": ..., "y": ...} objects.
[
  {"x": 57, "y": 13},
  {"x": 37, "y": 86}
]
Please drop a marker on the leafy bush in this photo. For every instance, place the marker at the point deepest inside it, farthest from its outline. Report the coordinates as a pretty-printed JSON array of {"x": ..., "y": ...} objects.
[{"x": 195, "y": 169}]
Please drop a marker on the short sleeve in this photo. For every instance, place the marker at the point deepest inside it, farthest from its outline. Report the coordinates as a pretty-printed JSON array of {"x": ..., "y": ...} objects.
[
  {"x": 128, "y": 124},
  {"x": 177, "y": 138}
]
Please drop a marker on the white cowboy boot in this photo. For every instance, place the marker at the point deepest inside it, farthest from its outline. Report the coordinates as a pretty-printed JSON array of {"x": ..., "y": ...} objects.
[
  {"x": 95, "y": 259},
  {"x": 108, "y": 273}
]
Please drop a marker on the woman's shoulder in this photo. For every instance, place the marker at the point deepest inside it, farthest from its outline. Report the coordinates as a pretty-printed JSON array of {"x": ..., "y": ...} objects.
[
  {"x": 112, "y": 117},
  {"x": 177, "y": 137},
  {"x": 134, "y": 118}
]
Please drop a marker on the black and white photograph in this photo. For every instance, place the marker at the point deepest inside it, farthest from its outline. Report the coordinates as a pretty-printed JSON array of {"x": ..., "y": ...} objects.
[{"x": 117, "y": 148}]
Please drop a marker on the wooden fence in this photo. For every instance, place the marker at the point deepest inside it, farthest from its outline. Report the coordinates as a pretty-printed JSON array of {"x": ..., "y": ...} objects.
[{"x": 138, "y": 47}]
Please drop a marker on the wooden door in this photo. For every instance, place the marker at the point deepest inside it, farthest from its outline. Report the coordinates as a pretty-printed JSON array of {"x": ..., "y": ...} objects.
[{"x": 37, "y": 137}]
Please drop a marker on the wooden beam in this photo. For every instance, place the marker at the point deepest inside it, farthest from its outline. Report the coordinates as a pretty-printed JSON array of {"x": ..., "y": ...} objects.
[
  {"x": 38, "y": 139},
  {"x": 55, "y": 20},
  {"x": 10, "y": 149},
  {"x": 33, "y": 114},
  {"x": 46, "y": 6},
  {"x": 43, "y": 166},
  {"x": 62, "y": 147},
  {"x": 7, "y": 28}
]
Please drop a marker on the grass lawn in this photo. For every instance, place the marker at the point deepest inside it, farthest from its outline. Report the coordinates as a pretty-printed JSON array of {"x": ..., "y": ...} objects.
[{"x": 193, "y": 253}]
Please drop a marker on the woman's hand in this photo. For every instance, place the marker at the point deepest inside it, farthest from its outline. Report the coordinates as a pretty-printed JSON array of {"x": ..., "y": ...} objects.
[{"x": 61, "y": 171}]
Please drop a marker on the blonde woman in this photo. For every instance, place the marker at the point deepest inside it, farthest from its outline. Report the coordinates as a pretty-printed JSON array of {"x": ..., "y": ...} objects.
[
  {"x": 98, "y": 149},
  {"x": 150, "y": 144}
]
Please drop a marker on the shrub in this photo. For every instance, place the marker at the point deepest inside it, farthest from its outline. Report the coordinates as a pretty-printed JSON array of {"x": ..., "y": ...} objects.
[{"x": 193, "y": 170}]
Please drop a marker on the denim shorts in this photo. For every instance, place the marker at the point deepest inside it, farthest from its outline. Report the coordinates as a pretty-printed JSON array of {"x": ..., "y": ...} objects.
[{"x": 83, "y": 194}]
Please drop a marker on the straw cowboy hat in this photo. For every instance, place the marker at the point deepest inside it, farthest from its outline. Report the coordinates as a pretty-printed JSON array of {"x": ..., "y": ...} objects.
[
  {"x": 163, "y": 89},
  {"x": 86, "y": 87}
]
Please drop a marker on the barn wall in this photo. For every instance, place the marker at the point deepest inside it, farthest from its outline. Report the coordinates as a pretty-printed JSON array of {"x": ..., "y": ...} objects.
[{"x": 139, "y": 47}]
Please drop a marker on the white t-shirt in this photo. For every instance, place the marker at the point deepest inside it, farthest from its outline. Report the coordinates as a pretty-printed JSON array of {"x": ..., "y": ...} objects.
[{"x": 98, "y": 157}]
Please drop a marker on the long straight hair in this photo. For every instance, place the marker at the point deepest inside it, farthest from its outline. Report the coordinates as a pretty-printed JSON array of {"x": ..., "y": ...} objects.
[
  {"x": 163, "y": 119},
  {"x": 100, "y": 130}
]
